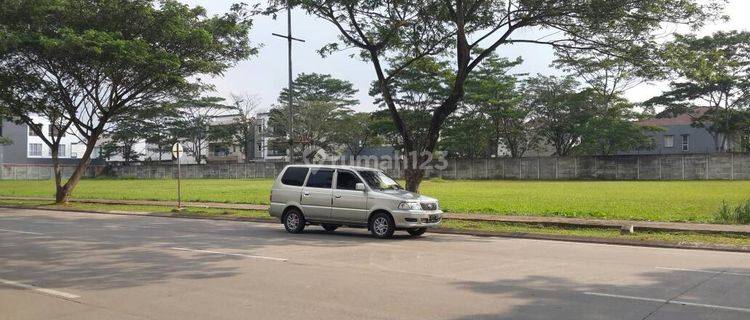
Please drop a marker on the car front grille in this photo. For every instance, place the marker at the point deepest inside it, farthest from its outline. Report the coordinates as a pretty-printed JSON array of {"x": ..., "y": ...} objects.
[{"x": 429, "y": 206}]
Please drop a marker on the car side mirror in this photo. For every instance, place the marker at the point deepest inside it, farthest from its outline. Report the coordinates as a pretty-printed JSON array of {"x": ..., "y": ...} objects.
[{"x": 359, "y": 186}]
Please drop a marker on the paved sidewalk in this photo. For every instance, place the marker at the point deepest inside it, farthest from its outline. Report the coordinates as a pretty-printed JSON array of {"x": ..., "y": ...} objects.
[{"x": 559, "y": 221}]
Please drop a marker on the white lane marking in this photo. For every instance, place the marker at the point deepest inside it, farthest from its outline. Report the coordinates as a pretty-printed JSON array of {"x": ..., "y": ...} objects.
[
  {"x": 21, "y": 232},
  {"x": 231, "y": 254},
  {"x": 706, "y": 271},
  {"x": 684, "y": 303},
  {"x": 38, "y": 289}
]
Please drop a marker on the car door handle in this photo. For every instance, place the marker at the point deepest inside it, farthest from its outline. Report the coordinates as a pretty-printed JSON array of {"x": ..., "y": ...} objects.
[
  {"x": 306, "y": 193},
  {"x": 337, "y": 196}
]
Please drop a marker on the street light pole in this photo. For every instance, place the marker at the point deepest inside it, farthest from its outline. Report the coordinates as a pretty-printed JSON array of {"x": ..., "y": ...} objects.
[{"x": 289, "y": 39}]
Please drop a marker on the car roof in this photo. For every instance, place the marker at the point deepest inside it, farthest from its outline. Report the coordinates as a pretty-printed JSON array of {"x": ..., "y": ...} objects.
[{"x": 332, "y": 166}]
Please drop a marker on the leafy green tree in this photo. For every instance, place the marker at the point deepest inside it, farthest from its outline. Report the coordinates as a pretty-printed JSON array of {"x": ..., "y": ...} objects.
[
  {"x": 194, "y": 124},
  {"x": 468, "y": 135},
  {"x": 85, "y": 63},
  {"x": 127, "y": 133},
  {"x": 162, "y": 131},
  {"x": 393, "y": 35},
  {"x": 611, "y": 130},
  {"x": 320, "y": 102},
  {"x": 314, "y": 126},
  {"x": 419, "y": 90},
  {"x": 356, "y": 132},
  {"x": 492, "y": 93},
  {"x": 714, "y": 75},
  {"x": 560, "y": 110}
]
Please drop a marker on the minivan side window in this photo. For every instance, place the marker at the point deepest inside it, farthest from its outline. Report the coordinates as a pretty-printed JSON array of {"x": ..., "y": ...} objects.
[
  {"x": 320, "y": 178},
  {"x": 346, "y": 180},
  {"x": 294, "y": 176}
]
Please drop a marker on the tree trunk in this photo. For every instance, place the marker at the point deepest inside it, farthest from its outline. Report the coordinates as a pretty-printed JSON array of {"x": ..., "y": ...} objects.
[
  {"x": 59, "y": 198},
  {"x": 63, "y": 192},
  {"x": 413, "y": 178}
]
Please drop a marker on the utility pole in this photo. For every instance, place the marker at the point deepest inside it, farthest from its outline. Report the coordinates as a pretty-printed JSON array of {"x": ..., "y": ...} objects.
[{"x": 289, "y": 39}]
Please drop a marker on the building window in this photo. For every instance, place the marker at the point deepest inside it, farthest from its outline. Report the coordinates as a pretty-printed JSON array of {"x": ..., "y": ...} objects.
[
  {"x": 35, "y": 149},
  {"x": 220, "y": 150},
  {"x": 62, "y": 151},
  {"x": 32, "y": 133},
  {"x": 685, "y": 142},
  {"x": 668, "y": 141}
]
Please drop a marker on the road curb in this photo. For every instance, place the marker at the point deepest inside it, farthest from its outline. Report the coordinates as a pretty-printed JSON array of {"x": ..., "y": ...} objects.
[{"x": 440, "y": 230}]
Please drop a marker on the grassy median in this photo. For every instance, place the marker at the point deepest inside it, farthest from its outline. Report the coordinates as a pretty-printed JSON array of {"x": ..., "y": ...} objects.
[
  {"x": 688, "y": 201},
  {"x": 499, "y": 228}
]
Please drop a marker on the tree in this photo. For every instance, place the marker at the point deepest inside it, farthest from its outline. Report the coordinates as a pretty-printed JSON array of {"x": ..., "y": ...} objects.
[
  {"x": 314, "y": 125},
  {"x": 492, "y": 92},
  {"x": 320, "y": 101},
  {"x": 611, "y": 130},
  {"x": 468, "y": 135},
  {"x": 714, "y": 75},
  {"x": 162, "y": 131},
  {"x": 356, "y": 132},
  {"x": 194, "y": 123},
  {"x": 243, "y": 128},
  {"x": 127, "y": 133},
  {"x": 85, "y": 63},
  {"x": 395, "y": 34},
  {"x": 560, "y": 110}
]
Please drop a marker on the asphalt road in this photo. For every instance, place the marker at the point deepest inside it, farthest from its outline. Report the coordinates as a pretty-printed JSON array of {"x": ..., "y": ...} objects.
[{"x": 60, "y": 265}]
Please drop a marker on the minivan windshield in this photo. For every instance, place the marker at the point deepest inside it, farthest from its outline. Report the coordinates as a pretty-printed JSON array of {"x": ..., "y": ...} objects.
[{"x": 379, "y": 180}]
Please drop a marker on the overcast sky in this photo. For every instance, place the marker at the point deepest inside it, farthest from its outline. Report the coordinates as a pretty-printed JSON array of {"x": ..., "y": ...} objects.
[{"x": 265, "y": 74}]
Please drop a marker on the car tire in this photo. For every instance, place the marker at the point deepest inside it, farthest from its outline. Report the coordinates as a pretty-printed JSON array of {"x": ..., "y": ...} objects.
[
  {"x": 416, "y": 232},
  {"x": 294, "y": 221},
  {"x": 329, "y": 227},
  {"x": 382, "y": 225}
]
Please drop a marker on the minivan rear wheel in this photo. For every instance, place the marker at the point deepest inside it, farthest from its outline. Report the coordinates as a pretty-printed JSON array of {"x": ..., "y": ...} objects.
[
  {"x": 382, "y": 225},
  {"x": 294, "y": 221},
  {"x": 329, "y": 227},
  {"x": 416, "y": 231}
]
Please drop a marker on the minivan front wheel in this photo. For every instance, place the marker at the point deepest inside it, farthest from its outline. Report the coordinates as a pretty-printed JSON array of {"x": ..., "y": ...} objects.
[
  {"x": 382, "y": 225},
  {"x": 294, "y": 221},
  {"x": 416, "y": 231}
]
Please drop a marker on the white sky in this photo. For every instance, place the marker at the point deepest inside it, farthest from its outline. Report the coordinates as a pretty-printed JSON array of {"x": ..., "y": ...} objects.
[{"x": 265, "y": 74}]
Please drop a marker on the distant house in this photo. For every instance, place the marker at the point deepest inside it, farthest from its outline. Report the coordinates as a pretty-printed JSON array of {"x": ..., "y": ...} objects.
[
  {"x": 678, "y": 135},
  {"x": 28, "y": 149},
  {"x": 257, "y": 143}
]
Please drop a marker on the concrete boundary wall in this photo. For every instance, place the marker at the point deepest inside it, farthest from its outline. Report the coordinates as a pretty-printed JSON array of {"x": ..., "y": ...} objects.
[
  {"x": 645, "y": 167},
  {"x": 42, "y": 172}
]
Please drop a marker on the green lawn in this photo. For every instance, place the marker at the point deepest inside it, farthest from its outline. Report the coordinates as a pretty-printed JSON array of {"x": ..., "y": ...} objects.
[{"x": 695, "y": 201}]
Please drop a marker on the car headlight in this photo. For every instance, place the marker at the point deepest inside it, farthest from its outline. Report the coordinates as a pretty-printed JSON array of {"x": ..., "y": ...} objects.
[{"x": 409, "y": 206}]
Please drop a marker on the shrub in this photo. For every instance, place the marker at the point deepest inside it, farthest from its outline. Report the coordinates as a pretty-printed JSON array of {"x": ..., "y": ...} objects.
[{"x": 738, "y": 215}]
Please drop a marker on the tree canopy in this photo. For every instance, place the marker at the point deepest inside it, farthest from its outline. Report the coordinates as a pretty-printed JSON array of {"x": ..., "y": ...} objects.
[
  {"x": 85, "y": 63},
  {"x": 395, "y": 34}
]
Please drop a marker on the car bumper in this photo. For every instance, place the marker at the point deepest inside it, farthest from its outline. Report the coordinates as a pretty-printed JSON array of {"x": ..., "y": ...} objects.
[{"x": 417, "y": 219}]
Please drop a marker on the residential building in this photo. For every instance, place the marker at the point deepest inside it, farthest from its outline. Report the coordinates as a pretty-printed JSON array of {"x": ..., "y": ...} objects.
[
  {"x": 233, "y": 151},
  {"x": 678, "y": 135},
  {"x": 28, "y": 148}
]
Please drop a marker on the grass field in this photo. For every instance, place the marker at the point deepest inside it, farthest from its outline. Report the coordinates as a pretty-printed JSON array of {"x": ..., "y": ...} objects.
[{"x": 693, "y": 201}]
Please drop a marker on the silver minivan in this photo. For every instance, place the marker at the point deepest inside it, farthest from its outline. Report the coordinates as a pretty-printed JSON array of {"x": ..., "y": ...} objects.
[{"x": 334, "y": 196}]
